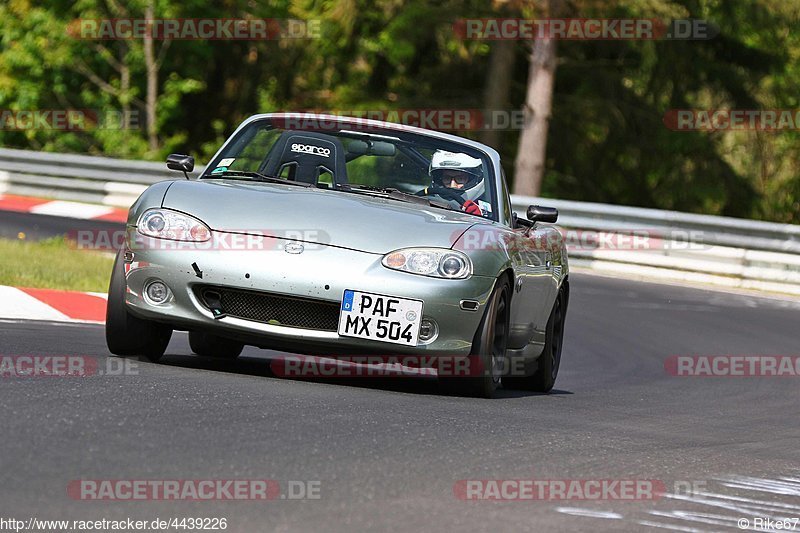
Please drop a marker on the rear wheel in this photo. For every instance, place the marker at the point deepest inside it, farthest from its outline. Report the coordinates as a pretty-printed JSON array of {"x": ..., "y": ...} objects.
[
  {"x": 548, "y": 363},
  {"x": 209, "y": 345},
  {"x": 125, "y": 333},
  {"x": 488, "y": 349}
]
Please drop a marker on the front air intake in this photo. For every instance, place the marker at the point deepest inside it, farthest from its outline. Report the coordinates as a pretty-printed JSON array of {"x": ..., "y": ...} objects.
[{"x": 271, "y": 308}]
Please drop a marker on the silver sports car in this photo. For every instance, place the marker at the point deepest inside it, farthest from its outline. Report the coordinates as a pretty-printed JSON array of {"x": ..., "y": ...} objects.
[{"x": 337, "y": 236}]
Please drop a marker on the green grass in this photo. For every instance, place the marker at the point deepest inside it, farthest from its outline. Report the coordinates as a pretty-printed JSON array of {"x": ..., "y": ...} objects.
[{"x": 53, "y": 264}]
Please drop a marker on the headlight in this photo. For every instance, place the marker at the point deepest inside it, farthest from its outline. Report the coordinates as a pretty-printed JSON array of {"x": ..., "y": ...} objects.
[
  {"x": 433, "y": 262},
  {"x": 168, "y": 224}
]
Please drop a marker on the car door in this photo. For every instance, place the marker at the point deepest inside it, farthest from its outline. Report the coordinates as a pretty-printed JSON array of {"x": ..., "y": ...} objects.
[
  {"x": 531, "y": 288},
  {"x": 533, "y": 284}
]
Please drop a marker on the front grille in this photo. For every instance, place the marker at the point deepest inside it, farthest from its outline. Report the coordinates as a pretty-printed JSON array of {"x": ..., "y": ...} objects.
[{"x": 276, "y": 309}]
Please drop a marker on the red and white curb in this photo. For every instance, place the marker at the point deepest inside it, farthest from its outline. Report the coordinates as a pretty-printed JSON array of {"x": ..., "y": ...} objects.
[
  {"x": 53, "y": 305},
  {"x": 61, "y": 208}
]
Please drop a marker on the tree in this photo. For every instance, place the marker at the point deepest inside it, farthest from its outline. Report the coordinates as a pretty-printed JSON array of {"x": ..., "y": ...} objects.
[
  {"x": 529, "y": 166},
  {"x": 595, "y": 130}
]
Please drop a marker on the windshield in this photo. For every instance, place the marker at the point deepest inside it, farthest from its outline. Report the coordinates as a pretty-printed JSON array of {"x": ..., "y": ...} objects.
[{"x": 378, "y": 162}]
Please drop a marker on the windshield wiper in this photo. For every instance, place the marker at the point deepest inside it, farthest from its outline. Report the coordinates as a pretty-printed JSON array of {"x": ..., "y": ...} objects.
[
  {"x": 390, "y": 192},
  {"x": 257, "y": 176}
]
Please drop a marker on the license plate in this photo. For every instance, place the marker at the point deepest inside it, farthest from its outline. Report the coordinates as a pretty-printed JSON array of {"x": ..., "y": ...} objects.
[{"x": 379, "y": 317}]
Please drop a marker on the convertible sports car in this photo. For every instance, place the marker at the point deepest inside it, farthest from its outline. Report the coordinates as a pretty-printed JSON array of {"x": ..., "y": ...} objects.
[{"x": 338, "y": 236}]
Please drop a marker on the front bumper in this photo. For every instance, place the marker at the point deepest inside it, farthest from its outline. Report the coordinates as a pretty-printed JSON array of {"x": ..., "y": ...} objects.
[{"x": 321, "y": 272}]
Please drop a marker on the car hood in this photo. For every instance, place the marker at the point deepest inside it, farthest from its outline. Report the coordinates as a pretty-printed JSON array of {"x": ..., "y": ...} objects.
[{"x": 347, "y": 220}]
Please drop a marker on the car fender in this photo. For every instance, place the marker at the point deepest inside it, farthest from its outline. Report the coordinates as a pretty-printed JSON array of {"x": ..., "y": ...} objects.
[{"x": 151, "y": 197}]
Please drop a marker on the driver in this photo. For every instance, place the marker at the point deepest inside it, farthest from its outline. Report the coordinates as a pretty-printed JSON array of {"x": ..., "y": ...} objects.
[{"x": 458, "y": 177}]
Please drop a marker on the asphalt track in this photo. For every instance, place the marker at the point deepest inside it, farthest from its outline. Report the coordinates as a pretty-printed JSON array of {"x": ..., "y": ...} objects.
[
  {"x": 36, "y": 227},
  {"x": 387, "y": 453}
]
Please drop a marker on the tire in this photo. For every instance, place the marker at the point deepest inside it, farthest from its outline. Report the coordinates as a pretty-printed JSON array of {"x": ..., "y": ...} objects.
[
  {"x": 549, "y": 362},
  {"x": 488, "y": 348},
  {"x": 125, "y": 333},
  {"x": 208, "y": 345}
]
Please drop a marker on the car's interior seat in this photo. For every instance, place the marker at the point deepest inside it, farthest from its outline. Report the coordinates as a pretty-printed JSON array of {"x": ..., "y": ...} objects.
[{"x": 304, "y": 156}]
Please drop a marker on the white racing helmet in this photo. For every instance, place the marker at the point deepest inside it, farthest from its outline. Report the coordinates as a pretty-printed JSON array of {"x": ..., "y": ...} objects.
[{"x": 441, "y": 161}]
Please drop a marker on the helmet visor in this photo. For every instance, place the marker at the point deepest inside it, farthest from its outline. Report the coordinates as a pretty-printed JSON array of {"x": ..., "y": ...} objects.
[{"x": 447, "y": 176}]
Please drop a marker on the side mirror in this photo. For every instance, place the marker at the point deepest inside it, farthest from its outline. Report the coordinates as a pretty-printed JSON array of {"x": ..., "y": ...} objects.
[
  {"x": 517, "y": 222},
  {"x": 180, "y": 162},
  {"x": 538, "y": 213}
]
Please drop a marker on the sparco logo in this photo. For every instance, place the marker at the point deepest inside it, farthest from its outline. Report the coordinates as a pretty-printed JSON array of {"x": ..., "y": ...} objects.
[{"x": 311, "y": 149}]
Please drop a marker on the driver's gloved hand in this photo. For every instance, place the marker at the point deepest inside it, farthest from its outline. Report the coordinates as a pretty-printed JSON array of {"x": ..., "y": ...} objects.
[{"x": 472, "y": 208}]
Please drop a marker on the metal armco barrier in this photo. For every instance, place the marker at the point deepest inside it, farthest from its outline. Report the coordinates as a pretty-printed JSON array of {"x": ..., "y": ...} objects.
[
  {"x": 636, "y": 241},
  {"x": 81, "y": 178},
  {"x": 627, "y": 241}
]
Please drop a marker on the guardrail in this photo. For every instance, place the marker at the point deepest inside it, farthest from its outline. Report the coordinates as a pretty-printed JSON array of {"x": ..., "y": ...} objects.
[
  {"x": 629, "y": 241},
  {"x": 80, "y": 178},
  {"x": 644, "y": 242}
]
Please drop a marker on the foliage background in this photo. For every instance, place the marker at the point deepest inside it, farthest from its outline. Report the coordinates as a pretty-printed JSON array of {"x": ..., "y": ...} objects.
[{"x": 607, "y": 141}]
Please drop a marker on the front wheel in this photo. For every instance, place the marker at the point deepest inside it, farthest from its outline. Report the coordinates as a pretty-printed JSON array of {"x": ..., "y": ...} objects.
[
  {"x": 548, "y": 363},
  {"x": 488, "y": 349},
  {"x": 125, "y": 333}
]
